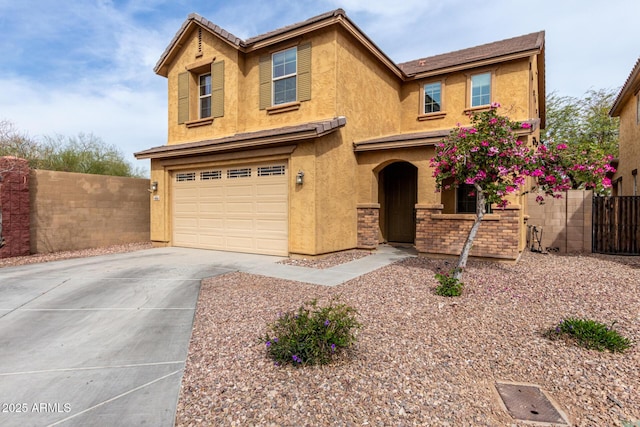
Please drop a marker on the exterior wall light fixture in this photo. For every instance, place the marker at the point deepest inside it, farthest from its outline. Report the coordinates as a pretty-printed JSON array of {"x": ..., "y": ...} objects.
[
  {"x": 300, "y": 178},
  {"x": 154, "y": 187}
]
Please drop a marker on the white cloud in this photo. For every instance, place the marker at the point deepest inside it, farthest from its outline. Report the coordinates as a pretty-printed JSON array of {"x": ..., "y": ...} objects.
[{"x": 130, "y": 119}]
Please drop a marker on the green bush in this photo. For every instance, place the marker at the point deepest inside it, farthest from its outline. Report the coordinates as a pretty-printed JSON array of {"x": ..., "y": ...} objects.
[
  {"x": 311, "y": 335},
  {"x": 449, "y": 286},
  {"x": 590, "y": 334}
]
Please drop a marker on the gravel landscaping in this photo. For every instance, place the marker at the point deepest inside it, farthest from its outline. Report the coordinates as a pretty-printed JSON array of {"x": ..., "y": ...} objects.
[
  {"x": 56, "y": 256},
  {"x": 421, "y": 359},
  {"x": 328, "y": 261}
]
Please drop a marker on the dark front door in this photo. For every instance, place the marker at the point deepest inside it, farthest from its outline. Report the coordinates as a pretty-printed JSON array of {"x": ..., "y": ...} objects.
[{"x": 400, "y": 195}]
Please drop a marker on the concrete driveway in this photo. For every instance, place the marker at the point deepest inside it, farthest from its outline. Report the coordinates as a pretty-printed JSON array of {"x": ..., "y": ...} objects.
[{"x": 101, "y": 341}]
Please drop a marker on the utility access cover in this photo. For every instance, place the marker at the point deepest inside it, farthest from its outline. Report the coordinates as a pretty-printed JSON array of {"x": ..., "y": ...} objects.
[{"x": 526, "y": 402}]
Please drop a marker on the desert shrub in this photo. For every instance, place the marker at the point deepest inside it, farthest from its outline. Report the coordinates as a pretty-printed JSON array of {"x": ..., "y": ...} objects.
[
  {"x": 589, "y": 334},
  {"x": 449, "y": 286},
  {"x": 312, "y": 334}
]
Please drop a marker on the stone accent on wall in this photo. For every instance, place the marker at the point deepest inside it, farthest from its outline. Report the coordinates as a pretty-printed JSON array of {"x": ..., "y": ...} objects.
[
  {"x": 368, "y": 225},
  {"x": 14, "y": 202},
  {"x": 445, "y": 234}
]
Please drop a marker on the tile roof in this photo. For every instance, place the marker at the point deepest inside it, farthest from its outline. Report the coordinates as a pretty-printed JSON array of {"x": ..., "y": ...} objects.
[
  {"x": 466, "y": 57},
  {"x": 297, "y": 25},
  {"x": 627, "y": 89},
  {"x": 489, "y": 51},
  {"x": 247, "y": 140}
]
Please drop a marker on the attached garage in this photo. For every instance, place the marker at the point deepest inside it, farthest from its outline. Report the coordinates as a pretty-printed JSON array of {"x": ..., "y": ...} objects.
[{"x": 240, "y": 208}]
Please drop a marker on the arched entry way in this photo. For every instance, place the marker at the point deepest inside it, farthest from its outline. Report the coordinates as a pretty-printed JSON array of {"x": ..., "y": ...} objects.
[{"x": 398, "y": 194}]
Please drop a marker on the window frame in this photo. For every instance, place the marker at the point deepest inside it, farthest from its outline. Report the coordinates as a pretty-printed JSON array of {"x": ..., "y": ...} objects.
[
  {"x": 284, "y": 77},
  {"x": 638, "y": 108},
  {"x": 424, "y": 97},
  {"x": 422, "y": 114},
  {"x": 469, "y": 90},
  {"x": 202, "y": 97},
  {"x": 462, "y": 191},
  {"x": 490, "y": 94}
]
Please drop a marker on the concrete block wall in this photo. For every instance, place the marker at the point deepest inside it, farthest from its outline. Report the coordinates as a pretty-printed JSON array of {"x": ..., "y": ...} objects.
[
  {"x": 14, "y": 202},
  {"x": 71, "y": 211},
  {"x": 566, "y": 222}
]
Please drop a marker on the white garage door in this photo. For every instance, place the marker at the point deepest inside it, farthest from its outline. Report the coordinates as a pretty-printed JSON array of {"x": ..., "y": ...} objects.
[{"x": 238, "y": 208}]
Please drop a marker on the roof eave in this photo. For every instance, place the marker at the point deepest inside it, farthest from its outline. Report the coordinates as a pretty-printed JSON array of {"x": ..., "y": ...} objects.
[
  {"x": 631, "y": 85},
  {"x": 475, "y": 64},
  {"x": 193, "y": 20},
  {"x": 338, "y": 17},
  {"x": 247, "y": 141}
]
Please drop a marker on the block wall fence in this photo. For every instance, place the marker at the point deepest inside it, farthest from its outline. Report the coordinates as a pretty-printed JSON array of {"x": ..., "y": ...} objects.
[{"x": 48, "y": 211}]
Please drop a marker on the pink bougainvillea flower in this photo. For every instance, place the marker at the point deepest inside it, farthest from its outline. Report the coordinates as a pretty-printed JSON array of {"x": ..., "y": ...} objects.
[
  {"x": 561, "y": 146},
  {"x": 526, "y": 125}
]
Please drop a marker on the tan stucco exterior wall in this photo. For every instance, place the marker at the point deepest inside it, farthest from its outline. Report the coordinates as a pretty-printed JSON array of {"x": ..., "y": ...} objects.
[
  {"x": 346, "y": 80},
  {"x": 510, "y": 87},
  {"x": 71, "y": 211},
  {"x": 629, "y": 148},
  {"x": 212, "y": 47}
]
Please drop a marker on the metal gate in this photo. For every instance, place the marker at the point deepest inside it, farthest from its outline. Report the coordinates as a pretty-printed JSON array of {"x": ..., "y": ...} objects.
[{"x": 616, "y": 225}]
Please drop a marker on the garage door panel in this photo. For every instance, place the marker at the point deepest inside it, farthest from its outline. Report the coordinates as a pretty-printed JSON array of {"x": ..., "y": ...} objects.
[
  {"x": 270, "y": 207},
  {"x": 211, "y": 208},
  {"x": 238, "y": 224},
  {"x": 232, "y": 209},
  {"x": 269, "y": 188},
  {"x": 267, "y": 225}
]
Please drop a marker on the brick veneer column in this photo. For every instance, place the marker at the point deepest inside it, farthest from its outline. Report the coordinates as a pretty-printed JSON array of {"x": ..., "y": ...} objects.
[
  {"x": 424, "y": 226},
  {"x": 368, "y": 225},
  {"x": 15, "y": 205}
]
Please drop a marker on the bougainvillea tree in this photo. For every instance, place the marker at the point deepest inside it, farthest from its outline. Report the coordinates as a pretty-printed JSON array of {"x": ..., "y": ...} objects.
[{"x": 488, "y": 156}]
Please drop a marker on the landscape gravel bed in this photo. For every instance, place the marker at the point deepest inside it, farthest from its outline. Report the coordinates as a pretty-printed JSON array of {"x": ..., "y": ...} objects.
[
  {"x": 328, "y": 261},
  {"x": 421, "y": 359},
  {"x": 55, "y": 256}
]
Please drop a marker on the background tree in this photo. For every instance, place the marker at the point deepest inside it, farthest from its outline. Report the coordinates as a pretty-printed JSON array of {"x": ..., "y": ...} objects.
[
  {"x": 84, "y": 153},
  {"x": 489, "y": 156},
  {"x": 583, "y": 124}
]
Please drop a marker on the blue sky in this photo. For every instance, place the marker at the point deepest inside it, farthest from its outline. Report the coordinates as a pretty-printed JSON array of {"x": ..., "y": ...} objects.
[{"x": 71, "y": 66}]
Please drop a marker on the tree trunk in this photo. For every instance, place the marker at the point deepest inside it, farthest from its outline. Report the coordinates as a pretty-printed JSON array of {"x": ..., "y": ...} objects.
[{"x": 464, "y": 255}]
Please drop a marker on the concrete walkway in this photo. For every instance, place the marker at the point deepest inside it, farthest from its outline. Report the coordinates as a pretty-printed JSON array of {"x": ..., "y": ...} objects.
[
  {"x": 384, "y": 255},
  {"x": 103, "y": 341}
]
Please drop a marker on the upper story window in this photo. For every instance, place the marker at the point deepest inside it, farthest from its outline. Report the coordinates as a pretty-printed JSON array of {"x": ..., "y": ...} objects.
[
  {"x": 200, "y": 93},
  {"x": 432, "y": 98},
  {"x": 480, "y": 89},
  {"x": 285, "y": 79},
  {"x": 205, "y": 95},
  {"x": 284, "y": 76}
]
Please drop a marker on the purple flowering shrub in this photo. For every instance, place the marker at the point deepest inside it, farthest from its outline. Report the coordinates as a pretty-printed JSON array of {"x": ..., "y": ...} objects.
[
  {"x": 311, "y": 335},
  {"x": 589, "y": 334}
]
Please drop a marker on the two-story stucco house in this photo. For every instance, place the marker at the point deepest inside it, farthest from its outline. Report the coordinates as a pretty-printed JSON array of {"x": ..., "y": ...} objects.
[
  {"x": 309, "y": 139},
  {"x": 627, "y": 107}
]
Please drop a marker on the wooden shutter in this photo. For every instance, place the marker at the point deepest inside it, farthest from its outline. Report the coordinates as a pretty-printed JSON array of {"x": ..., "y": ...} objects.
[
  {"x": 217, "y": 89},
  {"x": 265, "y": 81},
  {"x": 183, "y": 97},
  {"x": 304, "y": 72}
]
